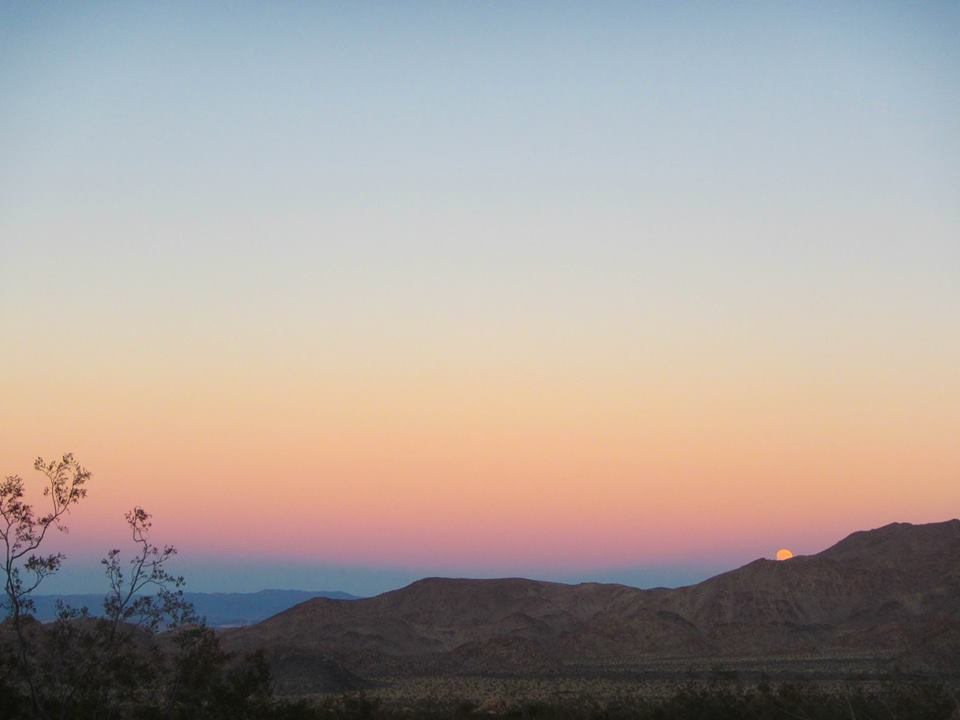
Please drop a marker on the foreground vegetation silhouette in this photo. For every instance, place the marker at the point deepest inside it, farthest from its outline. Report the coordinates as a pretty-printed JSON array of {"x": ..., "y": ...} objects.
[{"x": 146, "y": 655}]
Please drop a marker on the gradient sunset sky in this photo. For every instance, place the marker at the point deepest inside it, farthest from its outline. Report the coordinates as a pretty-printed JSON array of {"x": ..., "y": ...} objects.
[{"x": 348, "y": 293}]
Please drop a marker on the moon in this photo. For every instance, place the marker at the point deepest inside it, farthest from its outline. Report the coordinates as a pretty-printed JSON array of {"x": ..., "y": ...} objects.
[{"x": 784, "y": 554}]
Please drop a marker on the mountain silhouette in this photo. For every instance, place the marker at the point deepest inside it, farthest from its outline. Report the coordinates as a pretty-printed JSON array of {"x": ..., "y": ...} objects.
[{"x": 891, "y": 595}]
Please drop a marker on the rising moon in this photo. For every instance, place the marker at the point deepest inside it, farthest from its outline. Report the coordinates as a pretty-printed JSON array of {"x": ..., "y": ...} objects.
[{"x": 784, "y": 554}]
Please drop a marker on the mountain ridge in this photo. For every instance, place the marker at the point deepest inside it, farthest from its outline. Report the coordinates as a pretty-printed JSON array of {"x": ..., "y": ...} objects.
[{"x": 892, "y": 593}]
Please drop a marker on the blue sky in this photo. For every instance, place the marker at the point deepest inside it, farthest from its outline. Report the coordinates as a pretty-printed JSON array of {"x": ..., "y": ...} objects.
[{"x": 585, "y": 286}]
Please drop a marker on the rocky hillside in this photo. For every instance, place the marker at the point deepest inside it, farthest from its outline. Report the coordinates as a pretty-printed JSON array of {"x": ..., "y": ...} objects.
[{"x": 888, "y": 593}]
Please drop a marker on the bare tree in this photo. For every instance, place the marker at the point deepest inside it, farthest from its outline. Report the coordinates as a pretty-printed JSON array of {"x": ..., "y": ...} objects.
[
  {"x": 145, "y": 655},
  {"x": 127, "y": 601},
  {"x": 104, "y": 663},
  {"x": 22, "y": 532}
]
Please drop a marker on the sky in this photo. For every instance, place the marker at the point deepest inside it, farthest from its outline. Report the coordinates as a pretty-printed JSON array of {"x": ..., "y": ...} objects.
[{"x": 346, "y": 294}]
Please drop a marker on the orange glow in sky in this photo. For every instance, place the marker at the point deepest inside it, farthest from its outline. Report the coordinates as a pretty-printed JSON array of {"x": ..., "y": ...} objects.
[{"x": 327, "y": 287}]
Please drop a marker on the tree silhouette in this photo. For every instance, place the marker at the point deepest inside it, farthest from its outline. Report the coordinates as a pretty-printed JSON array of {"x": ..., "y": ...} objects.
[
  {"x": 22, "y": 533},
  {"x": 145, "y": 655}
]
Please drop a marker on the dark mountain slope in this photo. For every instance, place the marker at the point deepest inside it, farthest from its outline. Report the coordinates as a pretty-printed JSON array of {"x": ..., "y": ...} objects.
[{"x": 888, "y": 593}]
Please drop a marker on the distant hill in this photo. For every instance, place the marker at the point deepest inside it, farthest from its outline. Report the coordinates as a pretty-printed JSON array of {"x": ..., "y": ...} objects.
[
  {"x": 220, "y": 609},
  {"x": 892, "y": 594}
]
